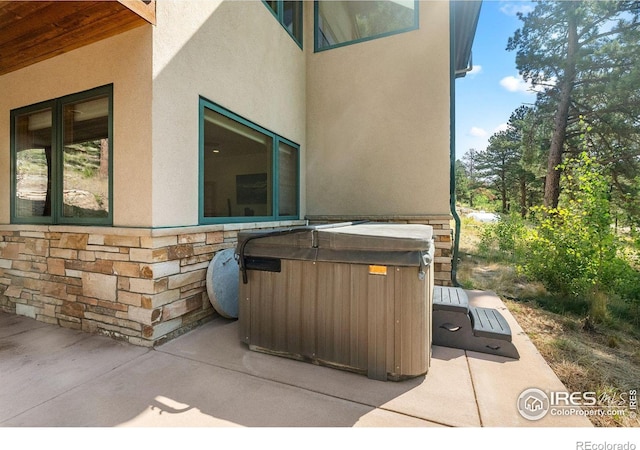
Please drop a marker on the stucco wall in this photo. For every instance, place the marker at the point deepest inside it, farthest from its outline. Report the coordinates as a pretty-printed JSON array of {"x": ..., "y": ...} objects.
[
  {"x": 125, "y": 61},
  {"x": 378, "y": 123},
  {"x": 235, "y": 54},
  {"x": 372, "y": 118}
]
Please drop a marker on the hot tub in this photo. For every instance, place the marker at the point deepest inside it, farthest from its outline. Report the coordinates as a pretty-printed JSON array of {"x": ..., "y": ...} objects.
[{"x": 352, "y": 296}]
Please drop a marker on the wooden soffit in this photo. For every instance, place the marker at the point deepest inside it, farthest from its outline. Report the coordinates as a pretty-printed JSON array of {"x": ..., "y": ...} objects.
[{"x": 32, "y": 31}]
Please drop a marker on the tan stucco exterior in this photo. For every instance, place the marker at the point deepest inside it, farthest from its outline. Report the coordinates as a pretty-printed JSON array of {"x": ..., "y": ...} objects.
[
  {"x": 125, "y": 61},
  {"x": 234, "y": 54},
  {"x": 378, "y": 123},
  {"x": 372, "y": 118},
  {"x": 158, "y": 73}
]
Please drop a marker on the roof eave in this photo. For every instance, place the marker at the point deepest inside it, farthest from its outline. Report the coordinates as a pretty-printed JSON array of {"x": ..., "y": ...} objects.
[{"x": 464, "y": 22}]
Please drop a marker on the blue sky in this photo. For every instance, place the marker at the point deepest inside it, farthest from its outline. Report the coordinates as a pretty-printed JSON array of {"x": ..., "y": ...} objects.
[{"x": 487, "y": 96}]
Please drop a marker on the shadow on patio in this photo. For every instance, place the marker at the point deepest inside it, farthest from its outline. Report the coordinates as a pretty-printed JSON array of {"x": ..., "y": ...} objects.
[{"x": 59, "y": 377}]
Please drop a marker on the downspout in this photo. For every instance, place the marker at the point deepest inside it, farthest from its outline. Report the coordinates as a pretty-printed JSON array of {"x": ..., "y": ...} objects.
[
  {"x": 452, "y": 147},
  {"x": 466, "y": 70}
]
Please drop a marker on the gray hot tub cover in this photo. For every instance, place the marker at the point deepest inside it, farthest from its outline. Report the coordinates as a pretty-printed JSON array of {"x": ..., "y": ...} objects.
[{"x": 365, "y": 243}]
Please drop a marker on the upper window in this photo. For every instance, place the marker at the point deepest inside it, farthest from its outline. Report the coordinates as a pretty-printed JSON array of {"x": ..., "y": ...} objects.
[
  {"x": 247, "y": 173},
  {"x": 289, "y": 14},
  {"x": 341, "y": 23},
  {"x": 61, "y": 160}
]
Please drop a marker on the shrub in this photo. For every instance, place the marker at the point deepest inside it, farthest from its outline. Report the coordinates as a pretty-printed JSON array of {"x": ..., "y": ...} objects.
[
  {"x": 503, "y": 240},
  {"x": 573, "y": 249},
  {"x": 572, "y": 246}
]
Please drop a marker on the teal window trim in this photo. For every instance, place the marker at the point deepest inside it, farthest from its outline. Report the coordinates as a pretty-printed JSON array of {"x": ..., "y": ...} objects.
[
  {"x": 279, "y": 15},
  {"x": 316, "y": 32},
  {"x": 276, "y": 170},
  {"x": 56, "y": 105},
  {"x": 50, "y": 104},
  {"x": 275, "y": 193}
]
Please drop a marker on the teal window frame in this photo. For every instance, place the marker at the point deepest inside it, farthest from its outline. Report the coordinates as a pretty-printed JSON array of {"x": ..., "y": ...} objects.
[
  {"x": 316, "y": 31},
  {"x": 279, "y": 15},
  {"x": 275, "y": 191},
  {"x": 57, "y": 151}
]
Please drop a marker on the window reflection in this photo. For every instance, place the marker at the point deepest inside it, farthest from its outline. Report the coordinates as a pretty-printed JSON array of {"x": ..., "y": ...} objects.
[
  {"x": 342, "y": 22},
  {"x": 246, "y": 171},
  {"x": 289, "y": 14},
  {"x": 61, "y": 158},
  {"x": 86, "y": 158},
  {"x": 288, "y": 182},
  {"x": 292, "y": 19},
  {"x": 237, "y": 169},
  {"x": 33, "y": 164}
]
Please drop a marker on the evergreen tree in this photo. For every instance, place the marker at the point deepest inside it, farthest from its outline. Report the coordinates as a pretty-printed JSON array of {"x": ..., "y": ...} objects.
[
  {"x": 499, "y": 164},
  {"x": 526, "y": 135},
  {"x": 584, "y": 53},
  {"x": 462, "y": 184},
  {"x": 469, "y": 165}
]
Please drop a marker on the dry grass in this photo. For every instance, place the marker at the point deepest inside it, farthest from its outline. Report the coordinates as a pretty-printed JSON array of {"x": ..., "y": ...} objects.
[
  {"x": 584, "y": 356},
  {"x": 600, "y": 360}
]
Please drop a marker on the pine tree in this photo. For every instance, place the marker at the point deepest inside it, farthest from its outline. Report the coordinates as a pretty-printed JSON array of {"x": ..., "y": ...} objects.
[
  {"x": 577, "y": 50},
  {"x": 499, "y": 164}
]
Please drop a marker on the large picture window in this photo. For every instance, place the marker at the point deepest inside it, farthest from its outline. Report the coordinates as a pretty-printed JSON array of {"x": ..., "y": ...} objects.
[
  {"x": 247, "y": 173},
  {"x": 61, "y": 160},
  {"x": 339, "y": 23}
]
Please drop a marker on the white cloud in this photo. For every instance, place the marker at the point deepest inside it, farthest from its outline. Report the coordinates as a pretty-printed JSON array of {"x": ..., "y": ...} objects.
[
  {"x": 512, "y": 8},
  {"x": 501, "y": 127},
  {"x": 515, "y": 84},
  {"x": 477, "y": 132},
  {"x": 475, "y": 70},
  {"x": 518, "y": 84}
]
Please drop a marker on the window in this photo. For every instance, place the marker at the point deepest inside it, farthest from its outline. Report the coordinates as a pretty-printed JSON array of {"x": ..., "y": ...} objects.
[
  {"x": 247, "y": 173},
  {"x": 61, "y": 153},
  {"x": 339, "y": 23},
  {"x": 289, "y": 14}
]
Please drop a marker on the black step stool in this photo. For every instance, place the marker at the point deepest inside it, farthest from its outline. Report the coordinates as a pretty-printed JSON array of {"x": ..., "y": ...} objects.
[{"x": 457, "y": 324}]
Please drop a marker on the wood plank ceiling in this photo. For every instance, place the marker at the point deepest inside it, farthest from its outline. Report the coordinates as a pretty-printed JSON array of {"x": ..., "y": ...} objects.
[{"x": 32, "y": 31}]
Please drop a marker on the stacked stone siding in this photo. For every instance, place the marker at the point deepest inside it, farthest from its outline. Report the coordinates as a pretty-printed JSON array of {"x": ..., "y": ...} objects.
[
  {"x": 443, "y": 242},
  {"x": 140, "y": 285},
  {"x": 144, "y": 286},
  {"x": 442, "y": 236}
]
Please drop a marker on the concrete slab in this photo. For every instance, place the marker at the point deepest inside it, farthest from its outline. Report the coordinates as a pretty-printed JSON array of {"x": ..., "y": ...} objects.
[
  {"x": 11, "y": 325},
  {"x": 445, "y": 395},
  {"x": 217, "y": 343},
  {"x": 158, "y": 389},
  {"x": 499, "y": 381},
  {"x": 43, "y": 362},
  {"x": 382, "y": 418},
  {"x": 55, "y": 377}
]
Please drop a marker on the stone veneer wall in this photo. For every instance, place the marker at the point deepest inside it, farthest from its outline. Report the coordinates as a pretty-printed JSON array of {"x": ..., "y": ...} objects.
[
  {"x": 442, "y": 236},
  {"x": 144, "y": 286}
]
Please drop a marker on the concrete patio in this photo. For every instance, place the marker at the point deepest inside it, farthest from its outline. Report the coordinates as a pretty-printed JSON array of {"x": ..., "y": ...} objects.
[{"x": 56, "y": 377}]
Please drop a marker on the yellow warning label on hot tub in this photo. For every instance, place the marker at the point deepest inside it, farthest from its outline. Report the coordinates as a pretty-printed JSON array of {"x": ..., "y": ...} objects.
[{"x": 377, "y": 270}]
